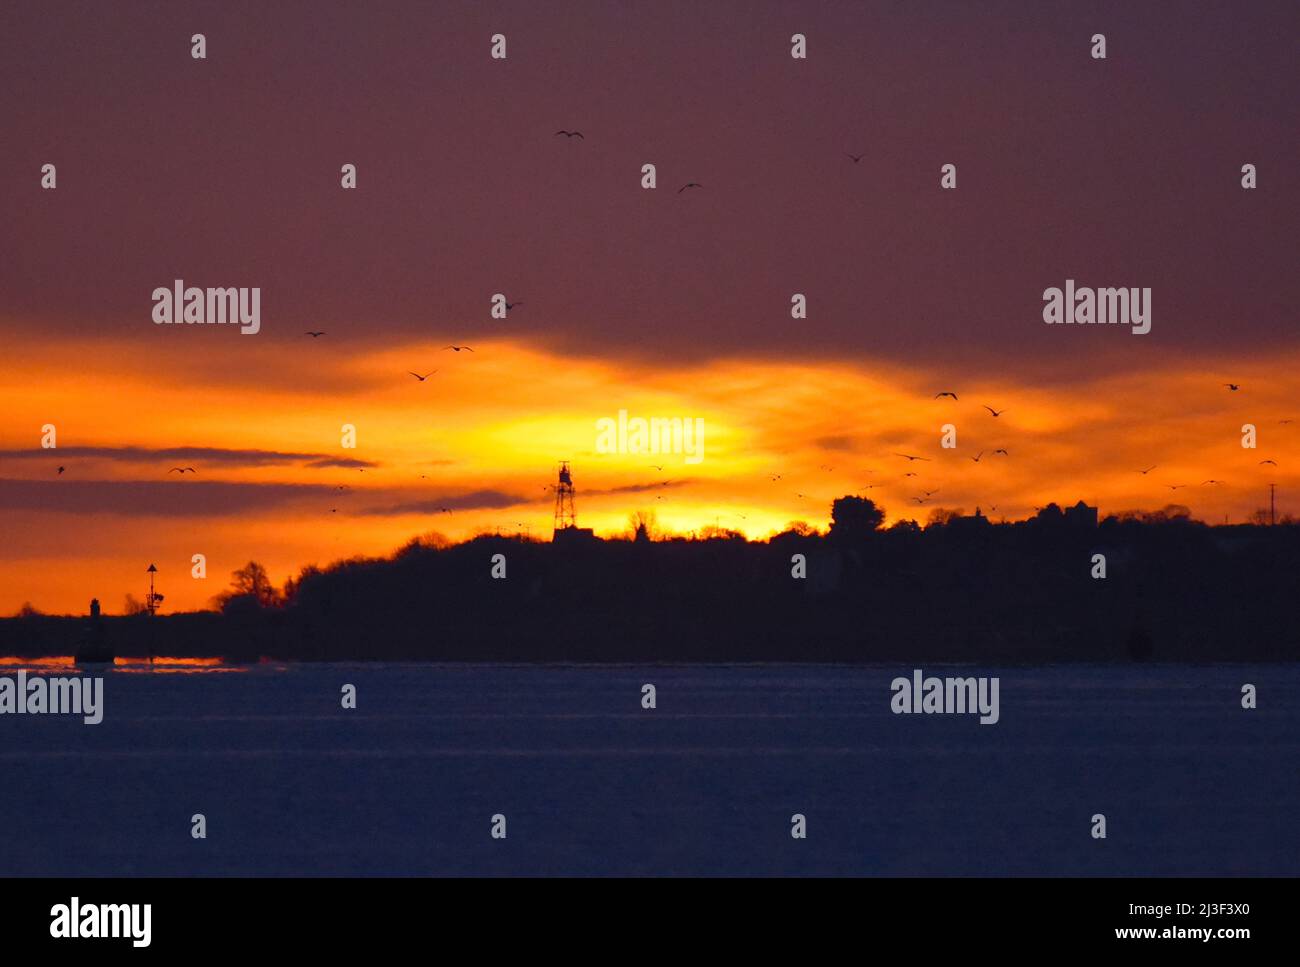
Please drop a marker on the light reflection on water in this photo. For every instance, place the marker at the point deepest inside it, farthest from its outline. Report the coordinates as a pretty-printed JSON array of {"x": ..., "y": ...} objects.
[{"x": 161, "y": 665}]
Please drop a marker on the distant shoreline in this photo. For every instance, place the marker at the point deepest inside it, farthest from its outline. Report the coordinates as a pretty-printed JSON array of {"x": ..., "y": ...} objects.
[{"x": 1062, "y": 589}]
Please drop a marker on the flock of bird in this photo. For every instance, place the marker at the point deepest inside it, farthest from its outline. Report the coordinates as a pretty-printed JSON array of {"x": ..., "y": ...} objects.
[
  {"x": 925, "y": 495},
  {"x": 923, "y": 498}
]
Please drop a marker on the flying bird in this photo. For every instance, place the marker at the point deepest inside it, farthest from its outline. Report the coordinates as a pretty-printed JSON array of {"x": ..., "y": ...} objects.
[
  {"x": 1211, "y": 482},
  {"x": 776, "y": 477},
  {"x": 656, "y": 466},
  {"x": 1146, "y": 471},
  {"x": 938, "y": 395},
  {"x": 61, "y": 469},
  {"x": 910, "y": 457},
  {"x": 1001, "y": 451},
  {"x": 182, "y": 470},
  {"x": 929, "y": 493},
  {"x": 314, "y": 335},
  {"x": 919, "y": 500},
  {"x": 1233, "y": 387},
  {"x": 977, "y": 459},
  {"x": 511, "y": 305},
  {"x": 909, "y": 474},
  {"x": 993, "y": 411},
  {"x": 856, "y": 157},
  {"x": 422, "y": 378},
  {"x": 689, "y": 184},
  {"x": 459, "y": 348},
  {"x": 570, "y": 134},
  {"x": 1175, "y": 486},
  {"x": 1273, "y": 462}
]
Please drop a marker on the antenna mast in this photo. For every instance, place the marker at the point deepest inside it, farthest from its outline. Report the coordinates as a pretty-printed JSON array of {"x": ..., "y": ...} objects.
[{"x": 565, "y": 516}]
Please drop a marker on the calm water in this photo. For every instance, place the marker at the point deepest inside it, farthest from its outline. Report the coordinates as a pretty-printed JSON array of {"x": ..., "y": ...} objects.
[{"x": 706, "y": 783}]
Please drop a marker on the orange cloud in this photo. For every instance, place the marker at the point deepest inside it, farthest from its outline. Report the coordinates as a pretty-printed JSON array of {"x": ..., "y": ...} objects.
[{"x": 474, "y": 447}]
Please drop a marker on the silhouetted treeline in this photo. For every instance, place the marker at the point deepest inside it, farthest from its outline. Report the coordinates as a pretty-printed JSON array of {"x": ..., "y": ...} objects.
[{"x": 965, "y": 590}]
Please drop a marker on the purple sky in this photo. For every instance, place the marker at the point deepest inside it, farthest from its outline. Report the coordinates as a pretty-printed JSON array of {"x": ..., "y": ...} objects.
[{"x": 1120, "y": 172}]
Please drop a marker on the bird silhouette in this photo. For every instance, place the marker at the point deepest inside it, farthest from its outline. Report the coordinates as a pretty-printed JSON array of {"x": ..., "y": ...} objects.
[
  {"x": 61, "y": 469},
  {"x": 919, "y": 500},
  {"x": 422, "y": 378},
  {"x": 314, "y": 335},
  {"x": 570, "y": 134},
  {"x": 1273, "y": 462},
  {"x": 1175, "y": 486},
  {"x": 459, "y": 348},
  {"x": 909, "y": 474},
  {"x": 776, "y": 477},
  {"x": 977, "y": 458},
  {"x": 689, "y": 184},
  {"x": 938, "y": 395},
  {"x": 1233, "y": 387},
  {"x": 856, "y": 157},
  {"x": 910, "y": 457},
  {"x": 1001, "y": 451},
  {"x": 929, "y": 493},
  {"x": 1146, "y": 471},
  {"x": 656, "y": 466},
  {"x": 993, "y": 411},
  {"x": 1211, "y": 482},
  {"x": 511, "y": 305},
  {"x": 182, "y": 470}
]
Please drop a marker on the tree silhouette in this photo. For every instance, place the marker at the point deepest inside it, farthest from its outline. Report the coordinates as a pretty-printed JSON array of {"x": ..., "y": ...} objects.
[
  {"x": 855, "y": 518},
  {"x": 250, "y": 584},
  {"x": 644, "y": 525}
]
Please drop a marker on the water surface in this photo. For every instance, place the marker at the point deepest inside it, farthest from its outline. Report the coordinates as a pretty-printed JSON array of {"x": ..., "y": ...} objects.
[{"x": 707, "y": 782}]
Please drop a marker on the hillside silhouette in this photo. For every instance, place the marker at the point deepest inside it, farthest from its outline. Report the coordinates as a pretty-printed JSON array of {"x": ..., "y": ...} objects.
[{"x": 962, "y": 588}]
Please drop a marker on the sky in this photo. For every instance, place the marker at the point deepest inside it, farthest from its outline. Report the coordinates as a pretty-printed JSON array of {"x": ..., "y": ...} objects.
[{"x": 225, "y": 171}]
